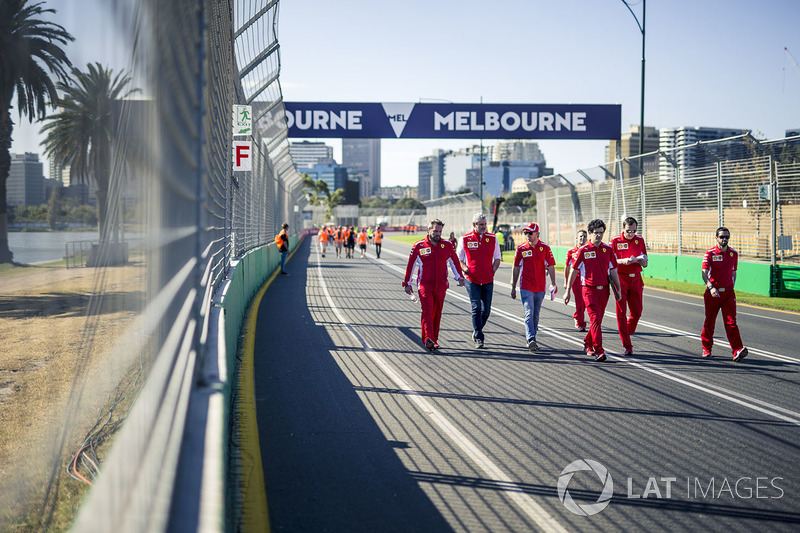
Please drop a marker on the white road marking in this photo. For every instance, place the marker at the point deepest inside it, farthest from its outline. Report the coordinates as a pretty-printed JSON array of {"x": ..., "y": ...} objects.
[
  {"x": 533, "y": 510},
  {"x": 755, "y": 404}
]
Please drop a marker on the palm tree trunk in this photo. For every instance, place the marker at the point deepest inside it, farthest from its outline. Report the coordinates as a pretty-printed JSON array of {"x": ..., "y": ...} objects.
[{"x": 6, "y": 127}]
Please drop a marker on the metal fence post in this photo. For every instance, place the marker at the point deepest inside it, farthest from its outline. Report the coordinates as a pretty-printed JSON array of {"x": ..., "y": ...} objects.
[
  {"x": 773, "y": 190},
  {"x": 720, "y": 208}
]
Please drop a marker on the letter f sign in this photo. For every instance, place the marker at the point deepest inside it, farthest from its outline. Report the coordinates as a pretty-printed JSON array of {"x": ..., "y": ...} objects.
[{"x": 242, "y": 156}]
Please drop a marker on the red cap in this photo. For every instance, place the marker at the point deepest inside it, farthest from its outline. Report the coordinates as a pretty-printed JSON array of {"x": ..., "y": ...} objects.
[{"x": 532, "y": 227}]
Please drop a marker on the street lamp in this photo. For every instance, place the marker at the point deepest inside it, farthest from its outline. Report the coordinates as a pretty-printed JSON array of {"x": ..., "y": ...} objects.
[{"x": 641, "y": 110}]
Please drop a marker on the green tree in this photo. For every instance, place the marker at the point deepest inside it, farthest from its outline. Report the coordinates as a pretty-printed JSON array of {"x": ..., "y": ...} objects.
[
  {"x": 81, "y": 134},
  {"x": 319, "y": 194},
  {"x": 30, "y": 52},
  {"x": 409, "y": 203}
]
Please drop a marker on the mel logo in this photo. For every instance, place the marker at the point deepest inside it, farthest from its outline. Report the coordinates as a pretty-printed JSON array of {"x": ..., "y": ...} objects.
[{"x": 398, "y": 115}]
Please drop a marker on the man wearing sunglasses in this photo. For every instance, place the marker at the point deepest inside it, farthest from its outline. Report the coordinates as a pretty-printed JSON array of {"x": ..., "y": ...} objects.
[
  {"x": 533, "y": 261},
  {"x": 631, "y": 254},
  {"x": 719, "y": 275}
]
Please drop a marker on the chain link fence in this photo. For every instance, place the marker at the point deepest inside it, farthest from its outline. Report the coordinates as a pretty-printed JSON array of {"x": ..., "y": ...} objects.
[
  {"x": 194, "y": 60},
  {"x": 681, "y": 196}
]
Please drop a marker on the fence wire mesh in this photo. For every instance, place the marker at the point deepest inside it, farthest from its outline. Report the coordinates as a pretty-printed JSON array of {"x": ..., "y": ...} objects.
[{"x": 680, "y": 196}]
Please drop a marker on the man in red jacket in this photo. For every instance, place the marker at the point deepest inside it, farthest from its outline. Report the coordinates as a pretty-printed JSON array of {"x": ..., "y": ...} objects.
[
  {"x": 431, "y": 257},
  {"x": 631, "y": 254},
  {"x": 480, "y": 256},
  {"x": 597, "y": 267},
  {"x": 579, "y": 316},
  {"x": 533, "y": 261},
  {"x": 719, "y": 275}
]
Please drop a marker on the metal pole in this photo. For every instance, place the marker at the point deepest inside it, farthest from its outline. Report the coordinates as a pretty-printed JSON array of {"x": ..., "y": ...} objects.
[
  {"x": 678, "y": 207},
  {"x": 773, "y": 189},
  {"x": 720, "y": 207},
  {"x": 641, "y": 110}
]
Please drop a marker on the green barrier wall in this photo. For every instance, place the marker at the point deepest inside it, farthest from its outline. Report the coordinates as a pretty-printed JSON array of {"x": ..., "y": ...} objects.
[
  {"x": 249, "y": 274},
  {"x": 751, "y": 277}
]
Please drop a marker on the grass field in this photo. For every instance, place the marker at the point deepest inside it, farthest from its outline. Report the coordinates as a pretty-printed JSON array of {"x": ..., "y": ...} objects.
[{"x": 786, "y": 304}]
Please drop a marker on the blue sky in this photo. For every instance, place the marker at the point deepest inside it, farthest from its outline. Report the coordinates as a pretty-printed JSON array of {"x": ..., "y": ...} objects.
[
  {"x": 717, "y": 63},
  {"x": 714, "y": 63}
]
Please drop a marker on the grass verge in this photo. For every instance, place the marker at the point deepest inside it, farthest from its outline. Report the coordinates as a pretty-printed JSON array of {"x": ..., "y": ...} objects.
[{"x": 697, "y": 289}]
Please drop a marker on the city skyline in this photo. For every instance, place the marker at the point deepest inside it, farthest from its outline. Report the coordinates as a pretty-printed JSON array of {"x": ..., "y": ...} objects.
[{"x": 722, "y": 67}]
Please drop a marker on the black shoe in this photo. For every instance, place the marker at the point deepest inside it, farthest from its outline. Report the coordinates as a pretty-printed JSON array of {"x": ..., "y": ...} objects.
[
  {"x": 284, "y": 273},
  {"x": 430, "y": 345}
]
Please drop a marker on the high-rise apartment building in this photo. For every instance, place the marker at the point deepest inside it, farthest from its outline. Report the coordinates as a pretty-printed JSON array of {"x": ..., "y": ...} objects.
[
  {"x": 306, "y": 154},
  {"x": 25, "y": 184},
  {"x": 59, "y": 173},
  {"x": 693, "y": 157},
  {"x": 431, "y": 176},
  {"x": 516, "y": 151},
  {"x": 362, "y": 157},
  {"x": 629, "y": 143}
]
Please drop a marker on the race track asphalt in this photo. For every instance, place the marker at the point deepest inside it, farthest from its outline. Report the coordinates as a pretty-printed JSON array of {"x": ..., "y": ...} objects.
[{"x": 362, "y": 429}]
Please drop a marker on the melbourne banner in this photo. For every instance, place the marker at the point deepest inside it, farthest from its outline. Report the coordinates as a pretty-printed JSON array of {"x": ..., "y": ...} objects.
[{"x": 453, "y": 121}]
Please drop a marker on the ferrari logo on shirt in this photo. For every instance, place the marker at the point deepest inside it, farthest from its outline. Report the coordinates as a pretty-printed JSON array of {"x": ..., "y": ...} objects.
[
  {"x": 541, "y": 249},
  {"x": 589, "y": 255},
  {"x": 622, "y": 246},
  {"x": 442, "y": 245},
  {"x": 487, "y": 239},
  {"x": 527, "y": 253},
  {"x": 731, "y": 254},
  {"x": 424, "y": 251},
  {"x": 635, "y": 241},
  {"x": 603, "y": 250},
  {"x": 472, "y": 244},
  {"x": 717, "y": 258}
]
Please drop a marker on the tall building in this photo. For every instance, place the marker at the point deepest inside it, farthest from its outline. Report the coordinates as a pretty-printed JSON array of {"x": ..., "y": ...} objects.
[
  {"x": 424, "y": 172},
  {"x": 431, "y": 176},
  {"x": 362, "y": 157},
  {"x": 59, "y": 173},
  {"x": 694, "y": 157},
  {"x": 25, "y": 184},
  {"x": 498, "y": 176},
  {"x": 516, "y": 151},
  {"x": 629, "y": 143},
  {"x": 456, "y": 164},
  {"x": 335, "y": 176},
  {"x": 307, "y": 154}
]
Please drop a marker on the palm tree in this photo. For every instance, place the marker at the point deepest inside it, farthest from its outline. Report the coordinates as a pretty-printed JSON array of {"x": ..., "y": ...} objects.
[
  {"x": 30, "y": 51},
  {"x": 81, "y": 133}
]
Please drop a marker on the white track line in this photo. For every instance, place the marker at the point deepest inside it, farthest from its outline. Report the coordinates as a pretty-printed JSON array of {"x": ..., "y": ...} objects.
[
  {"x": 526, "y": 504},
  {"x": 755, "y": 404}
]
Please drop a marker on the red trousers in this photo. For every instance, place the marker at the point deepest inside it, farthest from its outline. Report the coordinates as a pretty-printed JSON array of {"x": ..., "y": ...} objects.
[
  {"x": 596, "y": 300},
  {"x": 580, "y": 306},
  {"x": 431, "y": 299},
  {"x": 727, "y": 303},
  {"x": 631, "y": 288}
]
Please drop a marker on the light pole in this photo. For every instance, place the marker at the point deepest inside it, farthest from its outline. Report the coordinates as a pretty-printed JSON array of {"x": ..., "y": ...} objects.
[
  {"x": 641, "y": 110},
  {"x": 641, "y": 26}
]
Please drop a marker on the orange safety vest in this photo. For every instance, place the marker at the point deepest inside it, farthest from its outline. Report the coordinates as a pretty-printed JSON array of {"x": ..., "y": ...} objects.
[
  {"x": 323, "y": 235},
  {"x": 378, "y": 237},
  {"x": 362, "y": 238},
  {"x": 338, "y": 236}
]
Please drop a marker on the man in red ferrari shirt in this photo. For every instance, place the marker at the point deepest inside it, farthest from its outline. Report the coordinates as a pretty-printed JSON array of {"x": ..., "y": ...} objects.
[
  {"x": 431, "y": 258},
  {"x": 631, "y": 254},
  {"x": 719, "y": 275},
  {"x": 480, "y": 256},
  {"x": 597, "y": 267},
  {"x": 578, "y": 316},
  {"x": 532, "y": 260}
]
